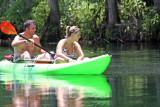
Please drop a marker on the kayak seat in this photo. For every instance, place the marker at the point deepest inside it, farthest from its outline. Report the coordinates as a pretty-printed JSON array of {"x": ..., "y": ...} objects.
[
  {"x": 9, "y": 57},
  {"x": 45, "y": 61}
]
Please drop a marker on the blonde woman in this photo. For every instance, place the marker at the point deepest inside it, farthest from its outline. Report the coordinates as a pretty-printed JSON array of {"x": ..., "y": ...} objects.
[{"x": 69, "y": 45}]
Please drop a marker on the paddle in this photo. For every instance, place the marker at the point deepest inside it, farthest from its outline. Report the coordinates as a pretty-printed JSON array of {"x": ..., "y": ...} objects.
[{"x": 9, "y": 29}]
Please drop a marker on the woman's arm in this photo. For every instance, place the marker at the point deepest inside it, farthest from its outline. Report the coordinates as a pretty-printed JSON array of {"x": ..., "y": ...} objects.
[
  {"x": 60, "y": 47},
  {"x": 79, "y": 51}
]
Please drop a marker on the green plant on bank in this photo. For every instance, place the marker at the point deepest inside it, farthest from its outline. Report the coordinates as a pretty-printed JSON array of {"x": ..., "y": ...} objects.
[
  {"x": 4, "y": 7},
  {"x": 17, "y": 12},
  {"x": 40, "y": 14},
  {"x": 110, "y": 34},
  {"x": 151, "y": 21},
  {"x": 81, "y": 14},
  {"x": 132, "y": 10},
  {"x": 136, "y": 11}
]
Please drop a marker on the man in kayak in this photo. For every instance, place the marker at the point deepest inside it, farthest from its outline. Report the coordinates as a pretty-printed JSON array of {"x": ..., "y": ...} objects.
[
  {"x": 66, "y": 47},
  {"x": 24, "y": 49}
]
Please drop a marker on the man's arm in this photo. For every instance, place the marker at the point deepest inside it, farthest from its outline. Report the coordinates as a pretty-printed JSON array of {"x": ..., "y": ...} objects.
[
  {"x": 37, "y": 41},
  {"x": 16, "y": 42}
]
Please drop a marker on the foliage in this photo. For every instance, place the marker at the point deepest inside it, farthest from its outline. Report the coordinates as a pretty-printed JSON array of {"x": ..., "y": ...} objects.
[
  {"x": 17, "y": 13},
  {"x": 81, "y": 14},
  {"x": 40, "y": 13},
  {"x": 132, "y": 10},
  {"x": 151, "y": 21},
  {"x": 144, "y": 18},
  {"x": 89, "y": 15},
  {"x": 136, "y": 11}
]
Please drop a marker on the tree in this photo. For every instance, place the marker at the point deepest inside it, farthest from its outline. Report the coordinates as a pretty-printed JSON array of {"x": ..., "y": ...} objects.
[
  {"x": 51, "y": 31},
  {"x": 113, "y": 14},
  {"x": 157, "y": 5}
]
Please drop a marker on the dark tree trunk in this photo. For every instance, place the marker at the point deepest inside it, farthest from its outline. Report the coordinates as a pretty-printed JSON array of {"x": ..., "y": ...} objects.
[
  {"x": 106, "y": 10},
  {"x": 157, "y": 5},
  {"x": 52, "y": 32},
  {"x": 113, "y": 14}
]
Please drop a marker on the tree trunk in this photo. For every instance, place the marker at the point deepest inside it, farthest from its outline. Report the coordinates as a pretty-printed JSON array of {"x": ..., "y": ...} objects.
[
  {"x": 52, "y": 32},
  {"x": 157, "y": 4},
  {"x": 106, "y": 11},
  {"x": 113, "y": 14},
  {"x": 54, "y": 14}
]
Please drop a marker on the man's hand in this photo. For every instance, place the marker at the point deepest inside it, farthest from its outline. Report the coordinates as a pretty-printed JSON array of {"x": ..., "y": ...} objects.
[
  {"x": 31, "y": 41},
  {"x": 52, "y": 53}
]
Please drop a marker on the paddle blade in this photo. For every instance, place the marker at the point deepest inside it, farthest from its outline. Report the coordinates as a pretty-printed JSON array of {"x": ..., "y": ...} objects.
[{"x": 8, "y": 28}]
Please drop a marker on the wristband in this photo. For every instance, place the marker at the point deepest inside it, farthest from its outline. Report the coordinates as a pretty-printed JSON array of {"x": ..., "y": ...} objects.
[
  {"x": 68, "y": 59},
  {"x": 25, "y": 41}
]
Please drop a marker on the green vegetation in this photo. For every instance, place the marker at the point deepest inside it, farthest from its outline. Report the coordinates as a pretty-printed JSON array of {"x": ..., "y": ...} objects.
[
  {"x": 40, "y": 13},
  {"x": 151, "y": 21},
  {"x": 135, "y": 18}
]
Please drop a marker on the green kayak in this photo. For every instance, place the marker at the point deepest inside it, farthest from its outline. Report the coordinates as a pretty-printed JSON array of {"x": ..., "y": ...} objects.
[{"x": 96, "y": 65}]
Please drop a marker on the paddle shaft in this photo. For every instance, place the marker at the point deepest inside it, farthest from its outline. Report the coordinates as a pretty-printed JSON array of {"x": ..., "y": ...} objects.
[{"x": 34, "y": 44}]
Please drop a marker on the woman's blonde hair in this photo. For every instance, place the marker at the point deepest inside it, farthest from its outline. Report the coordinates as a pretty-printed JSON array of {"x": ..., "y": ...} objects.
[{"x": 70, "y": 30}]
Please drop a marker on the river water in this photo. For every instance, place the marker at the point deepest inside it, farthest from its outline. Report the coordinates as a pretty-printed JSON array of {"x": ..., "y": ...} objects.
[{"x": 132, "y": 79}]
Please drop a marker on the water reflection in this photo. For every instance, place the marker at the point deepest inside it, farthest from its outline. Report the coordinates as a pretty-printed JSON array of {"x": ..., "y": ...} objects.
[
  {"x": 135, "y": 90},
  {"x": 27, "y": 90}
]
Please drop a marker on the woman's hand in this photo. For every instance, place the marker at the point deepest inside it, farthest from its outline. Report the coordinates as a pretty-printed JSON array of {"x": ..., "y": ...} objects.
[
  {"x": 71, "y": 60},
  {"x": 52, "y": 53}
]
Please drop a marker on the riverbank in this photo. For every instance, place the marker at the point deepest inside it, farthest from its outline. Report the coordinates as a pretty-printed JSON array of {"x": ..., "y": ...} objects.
[{"x": 6, "y": 42}]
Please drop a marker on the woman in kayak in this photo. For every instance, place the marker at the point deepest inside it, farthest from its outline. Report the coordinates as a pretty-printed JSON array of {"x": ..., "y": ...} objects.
[{"x": 67, "y": 46}]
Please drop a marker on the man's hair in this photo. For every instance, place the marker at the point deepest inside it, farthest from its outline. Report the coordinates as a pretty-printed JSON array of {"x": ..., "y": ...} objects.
[{"x": 28, "y": 23}]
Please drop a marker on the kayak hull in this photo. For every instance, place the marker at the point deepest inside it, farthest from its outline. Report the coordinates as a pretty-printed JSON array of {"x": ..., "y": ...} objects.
[{"x": 96, "y": 65}]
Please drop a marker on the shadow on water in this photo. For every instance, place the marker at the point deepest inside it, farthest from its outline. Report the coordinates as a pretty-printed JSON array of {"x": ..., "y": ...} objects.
[{"x": 55, "y": 90}]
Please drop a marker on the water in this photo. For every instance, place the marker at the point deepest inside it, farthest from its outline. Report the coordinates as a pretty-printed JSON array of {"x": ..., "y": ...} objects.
[{"x": 131, "y": 80}]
